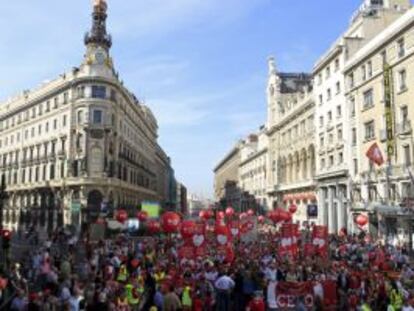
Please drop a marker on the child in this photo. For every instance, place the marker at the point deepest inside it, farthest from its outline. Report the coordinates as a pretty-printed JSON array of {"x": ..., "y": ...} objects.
[{"x": 257, "y": 303}]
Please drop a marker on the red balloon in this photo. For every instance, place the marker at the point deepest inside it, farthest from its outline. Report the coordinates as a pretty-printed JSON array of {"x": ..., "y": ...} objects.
[
  {"x": 277, "y": 215},
  {"x": 202, "y": 214},
  {"x": 170, "y": 222},
  {"x": 187, "y": 228},
  {"x": 293, "y": 208},
  {"x": 229, "y": 211},
  {"x": 142, "y": 215},
  {"x": 361, "y": 220},
  {"x": 220, "y": 215},
  {"x": 153, "y": 226},
  {"x": 121, "y": 216},
  {"x": 242, "y": 215},
  {"x": 250, "y": 212},
  {"x": 261, "y": 219}
]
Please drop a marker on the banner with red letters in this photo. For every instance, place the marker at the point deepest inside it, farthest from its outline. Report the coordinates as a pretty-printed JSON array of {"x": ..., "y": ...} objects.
[{"x": 288, "y": 292}]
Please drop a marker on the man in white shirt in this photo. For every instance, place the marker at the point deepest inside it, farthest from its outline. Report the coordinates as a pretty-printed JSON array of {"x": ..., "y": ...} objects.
[{"x": 224, "y": 284}]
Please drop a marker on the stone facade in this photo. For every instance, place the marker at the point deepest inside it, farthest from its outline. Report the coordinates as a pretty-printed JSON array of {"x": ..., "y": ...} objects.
[
  {"x": 386, "y": 198},
  {"x": 82, "y": 141},
  {"x": 291, "y": 113},
  {"x": 253, "y": 167},
  {"x": 226, "y": 179}
]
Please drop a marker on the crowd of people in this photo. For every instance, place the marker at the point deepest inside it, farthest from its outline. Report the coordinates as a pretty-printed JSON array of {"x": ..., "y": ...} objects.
[{"x": 146, "y": 273}]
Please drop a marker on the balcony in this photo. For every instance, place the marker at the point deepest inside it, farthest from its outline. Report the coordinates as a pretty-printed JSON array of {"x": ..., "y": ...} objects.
[{"x": 404, "y": 128}]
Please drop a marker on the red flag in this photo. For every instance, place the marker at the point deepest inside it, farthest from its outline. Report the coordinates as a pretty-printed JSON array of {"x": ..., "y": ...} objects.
[{"x": 375, "y": 155}]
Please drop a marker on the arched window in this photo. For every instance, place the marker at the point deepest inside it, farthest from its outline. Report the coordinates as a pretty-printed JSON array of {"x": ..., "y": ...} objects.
[{"x": 80, "y": 116}]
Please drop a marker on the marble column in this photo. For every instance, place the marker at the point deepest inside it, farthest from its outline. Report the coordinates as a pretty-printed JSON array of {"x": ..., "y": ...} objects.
[{"x": 330, "y": 209}]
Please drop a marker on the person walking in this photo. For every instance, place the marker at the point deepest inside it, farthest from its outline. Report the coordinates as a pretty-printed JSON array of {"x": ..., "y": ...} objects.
[{"x": 224, "y": 285}]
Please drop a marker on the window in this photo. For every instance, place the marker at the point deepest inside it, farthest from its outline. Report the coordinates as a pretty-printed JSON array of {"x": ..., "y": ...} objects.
[
  {"x": 352, "y": 104},
  {"x": 401, "y": 47},
  {"x": 33, "y": 132},
  {"x": 55, "y": 124},
  {"x": 97, "y": 117},
  {"x": 330, "y": 138},
  {"x": 322, "y": 163},
  {"x": 368, "y": 99},
  {"x": 12, "y": 140},
  {"x": 328, "y": 94},
  {"x": 331, "y": 160},
  {"x": 340, "y": 158},
  {"x": 354, "y": 137},
  {"x": 52, "y": 171},
  {"x": 40, "y": 109},
  {"x": 44, "y": 173},
  {"x": 320, "y": 99},
  {"x": 80, "y": 116},
  {"x": 340, "y": 134},
  {"x": 369, "y": 130},
  {"x": 47, "y": 127},
  {"x": 65, "y": 97},
  {"x": 407, "y": 155},
  {"x": 36, "y": 174},
  {"x": 369, "y": 69},
  {"x": 39, "y": 129},
  {"x": 322, "y": 141},
  {"x": 23, "y": 176},
  {"x": 404, "y": 114},
  {"x": 321, "y": 121},
  {"x": 26, "y": 134},
  {"x": 98, "y": 91},
  {"x": 47, "y": 106},
  {"x": 113, "y": 95},
  {"x": 55, "y": 102},
  {"x": 338, "y": 87},
  {"x": 81, "y": 91},
  {"x": 336, "y": 64},
  {"x": 33, "y": 112},
  {"x": 384, "y": 57},
  {"x": 64, "y": 121},
  {"x": 319, "y": 79},
  {"x": 402, "y": 80},
  {"x": 338, "y": 111},
  {"x": 328, "y": 72},
  {"x": 329, "y": 115},
  {"x": 355, "y": 166},
  {"x": 351, "y": 81},
  {"x": 363, "y": 72}
]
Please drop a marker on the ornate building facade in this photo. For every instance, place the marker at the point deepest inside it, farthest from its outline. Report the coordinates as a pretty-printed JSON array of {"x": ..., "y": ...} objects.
[
  {"x": 80, "y": 143},
  {"x": 291, "y": 131}
]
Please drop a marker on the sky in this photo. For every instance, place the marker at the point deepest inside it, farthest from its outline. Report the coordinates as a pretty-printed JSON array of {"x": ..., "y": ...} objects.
[{"x": 200, "y": 65}]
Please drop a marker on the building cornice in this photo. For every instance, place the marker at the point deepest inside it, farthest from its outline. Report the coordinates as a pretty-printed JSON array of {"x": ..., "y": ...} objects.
[
  {"x": 254, "y": 156},
  {"x": 382, "y": 39},
  {"x": 328, "y": 57},
  {"x": 295, "y": 113},
  {"x": 227, "y": 158}
]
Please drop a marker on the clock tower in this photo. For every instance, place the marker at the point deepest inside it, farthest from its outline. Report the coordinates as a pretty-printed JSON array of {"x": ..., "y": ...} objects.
[{"x": 98, "y": 42}]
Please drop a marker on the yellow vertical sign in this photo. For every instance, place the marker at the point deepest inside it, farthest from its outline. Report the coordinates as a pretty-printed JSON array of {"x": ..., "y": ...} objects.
[{"x": 389, "y": 122}]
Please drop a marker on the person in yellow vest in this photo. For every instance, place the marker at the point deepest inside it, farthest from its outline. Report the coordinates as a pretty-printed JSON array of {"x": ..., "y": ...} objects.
[
  {"x": 122, "y": 274},
  {"x": 395, "y": 297},
  {"x": 186, "y": 299},
  {"x": 159, "y": 275},
  {"x": 132, "y": 296}
]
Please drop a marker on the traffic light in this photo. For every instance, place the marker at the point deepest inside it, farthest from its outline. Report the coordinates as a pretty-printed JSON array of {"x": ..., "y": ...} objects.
[{"x": 6, "y": 236}]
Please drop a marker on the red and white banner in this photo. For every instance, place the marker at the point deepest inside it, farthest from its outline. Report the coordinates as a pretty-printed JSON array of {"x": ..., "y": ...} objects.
[
  {"x": 288, "y": 240},
  {"x": 288, "y": 292},
  {"x": 320, "y": 240}
]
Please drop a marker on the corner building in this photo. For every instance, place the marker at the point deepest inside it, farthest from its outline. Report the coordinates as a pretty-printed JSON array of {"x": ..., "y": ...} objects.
[{"x": 80, "y": 143}]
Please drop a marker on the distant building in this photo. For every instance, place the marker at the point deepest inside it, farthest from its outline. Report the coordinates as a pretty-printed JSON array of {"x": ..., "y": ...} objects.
[{"x": 181, "y": 205}]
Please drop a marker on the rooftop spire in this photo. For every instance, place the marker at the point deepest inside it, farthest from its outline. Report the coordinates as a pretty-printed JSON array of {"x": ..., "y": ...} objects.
[{"x": 98, "y": 34}]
